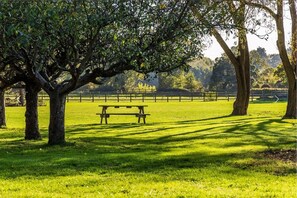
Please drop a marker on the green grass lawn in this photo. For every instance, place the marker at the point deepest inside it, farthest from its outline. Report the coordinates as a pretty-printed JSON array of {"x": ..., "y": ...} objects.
[{"x": 187, "y": 149}]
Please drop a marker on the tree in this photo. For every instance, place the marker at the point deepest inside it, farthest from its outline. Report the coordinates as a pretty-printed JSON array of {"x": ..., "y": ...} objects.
[
  {"x": 192, "y": 84},
  {"x": 166, "y": 81},
  {"x": 202, "y": 69},
  {"x": 126, "y": 82},
  {"x": 276, "y": 10},
  {"x": 67, "y": 44},
  {"x": 179, "y": 79},
  {"x": 280, "y": 74},
  {"x": 261, "y": 72},
  {"x": 223, "y": 76},
  {"x": 12, "y": 72},
  {"x": 31, "y": 114},
  {"x": 235, "y": 13},
  {"x": 7, "y": 78}
]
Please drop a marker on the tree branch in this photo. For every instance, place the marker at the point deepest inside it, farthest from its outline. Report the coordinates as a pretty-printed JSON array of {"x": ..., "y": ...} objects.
[{"x": 261, "y": 6}]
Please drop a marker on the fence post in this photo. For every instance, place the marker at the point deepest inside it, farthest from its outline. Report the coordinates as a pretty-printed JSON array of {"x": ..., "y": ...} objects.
[
  {"x": 118, "y": 97},
  {"x": 228, "y": 98},
  {"x": 179, "y": 98},
  {"x": 192, "y": 96},
  {"x": 130, "y": 97},
  {"x": 93, "y": 99},
  {"x": 216, "y": 96},
  {"x": 167, "y": 98},
  {"x": 155, "y": 97},
  {"x": 203, "y": 96},
  {"x": 105, "y": 98},
  {"x": 142, "y": 97},
  {"x": 80, "y": 97}
]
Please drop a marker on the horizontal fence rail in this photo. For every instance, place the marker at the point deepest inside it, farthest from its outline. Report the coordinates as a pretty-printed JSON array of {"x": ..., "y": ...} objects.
[
  {"x": 169, "y": 97},
  {"x": 256, "y": 95}
]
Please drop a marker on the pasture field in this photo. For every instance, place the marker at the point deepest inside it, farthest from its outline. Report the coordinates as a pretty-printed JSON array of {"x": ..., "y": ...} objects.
[{"x": 186, "y": 149}]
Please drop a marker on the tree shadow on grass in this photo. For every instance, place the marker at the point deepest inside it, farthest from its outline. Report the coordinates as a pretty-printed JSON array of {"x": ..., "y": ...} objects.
[{"x": 140, "y": 148}]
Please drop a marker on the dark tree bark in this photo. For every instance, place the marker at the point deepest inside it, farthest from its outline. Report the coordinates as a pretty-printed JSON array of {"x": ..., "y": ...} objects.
[
  {"x": 291, "y": 111},
  {"x": 242, "y": 70},
  {"x": 241, "y": 62},
  {"x": 2, "y": 108},
  {"x": 241, "y": 103},
  {"x": 32, "y": 127},
  {"x": 57, "y": 119},
  {"x": 290, "y": 67}
]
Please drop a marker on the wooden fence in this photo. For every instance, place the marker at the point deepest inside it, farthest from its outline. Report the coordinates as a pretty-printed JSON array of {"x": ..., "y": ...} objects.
[{"x": 275, "y": 96}]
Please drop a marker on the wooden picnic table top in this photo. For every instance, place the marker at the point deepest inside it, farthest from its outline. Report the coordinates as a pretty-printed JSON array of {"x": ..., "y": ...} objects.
[{"x": 122, "y": 105}]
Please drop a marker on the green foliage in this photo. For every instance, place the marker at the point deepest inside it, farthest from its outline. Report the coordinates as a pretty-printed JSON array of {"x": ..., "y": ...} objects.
[
  {"x": 202, "y": 69},
  {"x": 187, "y": 149},
  {"x": 261, "y": 72},
  {"x": 144, "y": 88},
  {"x": 191, "y": 83},
  {"x": 124, "y": 82},
  {"x": 223, "y": 76},
  {"x": 70, "y": 43},
  {"x": 179, "y": 80},
  {"x": 280, "y": 75}
]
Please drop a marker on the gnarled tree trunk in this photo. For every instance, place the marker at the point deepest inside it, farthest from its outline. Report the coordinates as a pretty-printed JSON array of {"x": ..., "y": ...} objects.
[
  {"x": 242, "y": 70},
  {"x": 290, "y": 67},
  {"x": 2, "y": 108},
  {"x": 291, "y": 111},
  {"x": 240, "y": 63},
  {"x": 241, "y": 103},
  {"x": 32, "y": 127},
  {"x": 56, "y": 131}
]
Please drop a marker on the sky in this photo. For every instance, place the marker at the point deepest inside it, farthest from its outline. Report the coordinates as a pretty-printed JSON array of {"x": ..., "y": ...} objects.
[{"x": 254, "y": 42}]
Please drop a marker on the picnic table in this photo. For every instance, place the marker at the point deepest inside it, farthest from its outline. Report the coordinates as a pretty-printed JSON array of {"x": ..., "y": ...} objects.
[{"x": 140, "y": 114}]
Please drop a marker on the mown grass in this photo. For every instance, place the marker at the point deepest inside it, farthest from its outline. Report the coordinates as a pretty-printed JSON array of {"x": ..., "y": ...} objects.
[{"x": 187, "y": 149}]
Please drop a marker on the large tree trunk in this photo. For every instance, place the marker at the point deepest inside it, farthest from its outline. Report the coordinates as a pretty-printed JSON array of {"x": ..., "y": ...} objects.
[
  {"x": 2, "y": 108},
  {"x": 241, "y": 103},
  {"x": 32, "y": 128},
  {"x": 291, "y": 111},
  {"x": 290, "y": 67},
  {"x": 241, "y": 63},
  {"x": 242, "y": 69},
  {"x": 56, "y": 131}
]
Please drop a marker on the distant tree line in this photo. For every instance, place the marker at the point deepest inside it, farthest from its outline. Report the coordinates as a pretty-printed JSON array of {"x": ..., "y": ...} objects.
[{"x": 202, "y": 75}]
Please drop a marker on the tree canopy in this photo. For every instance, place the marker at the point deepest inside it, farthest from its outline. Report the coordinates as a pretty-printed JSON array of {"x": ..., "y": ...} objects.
[{"x": 63, "y": 45}]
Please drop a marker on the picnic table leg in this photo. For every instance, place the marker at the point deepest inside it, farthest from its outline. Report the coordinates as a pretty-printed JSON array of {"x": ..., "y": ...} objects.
[
  {"x": 103, "y": 114},
  {"x": 141, "y": 112}
]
